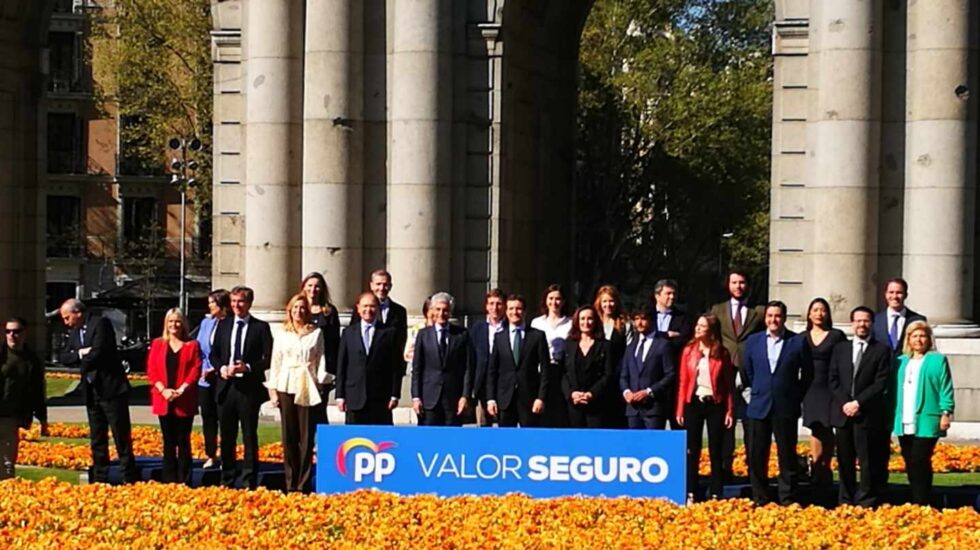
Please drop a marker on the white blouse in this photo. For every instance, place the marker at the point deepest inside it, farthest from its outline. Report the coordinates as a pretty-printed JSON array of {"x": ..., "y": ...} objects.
[
  {"x": 910, "y": 395},
  {"x": 555, "y": 335},
  {"x": 298, "y": 367}
]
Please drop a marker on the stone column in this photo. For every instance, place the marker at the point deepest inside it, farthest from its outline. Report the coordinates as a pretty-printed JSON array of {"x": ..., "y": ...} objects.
[
  {"x": 843, "y": 136},
  {"x": 273, "y": 42},
  {"x": 420, "y": 150},
  {"x": 332, "y": 145},
  {"x": 941, "y": 146}
]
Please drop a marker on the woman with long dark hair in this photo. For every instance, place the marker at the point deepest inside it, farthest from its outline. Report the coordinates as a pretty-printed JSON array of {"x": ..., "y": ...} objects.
[
  {"x": 818, "y": 345},
  {"x": 555, "y": 323},
  {"x": 704, "y": 397},
  {"x": 589, "y": 373}
]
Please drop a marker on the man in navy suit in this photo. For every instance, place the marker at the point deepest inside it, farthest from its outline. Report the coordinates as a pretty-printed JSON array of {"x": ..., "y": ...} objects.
[
  {"x": 241, "y": 352},
  {"x": 889, "y": 326},
  {"x": 482, "y": 335},
  {"x": 517, "y": 377},
  {"x": 776, "y": 379},
  {"x": 92, "y": 349},
  {"x": 442, "y": 368},
  {"x": 369, "y": 378},
  {"x": 648, "y": 375}
]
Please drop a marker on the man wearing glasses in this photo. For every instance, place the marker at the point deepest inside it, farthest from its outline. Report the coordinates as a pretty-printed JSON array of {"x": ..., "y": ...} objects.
[{"x": 21, "y": 392}]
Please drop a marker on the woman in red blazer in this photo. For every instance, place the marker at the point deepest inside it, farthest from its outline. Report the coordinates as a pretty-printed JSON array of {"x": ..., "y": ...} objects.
[
  {"x": 704, "y": 396},
  {"x": 173, "y": 367}
]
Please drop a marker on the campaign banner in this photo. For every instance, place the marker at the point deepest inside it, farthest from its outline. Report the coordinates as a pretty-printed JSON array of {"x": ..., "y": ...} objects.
[{"x": 485, "y": 461}]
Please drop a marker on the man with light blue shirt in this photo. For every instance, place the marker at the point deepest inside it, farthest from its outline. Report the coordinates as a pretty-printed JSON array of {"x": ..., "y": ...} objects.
[{"x": 776, "y": 381}]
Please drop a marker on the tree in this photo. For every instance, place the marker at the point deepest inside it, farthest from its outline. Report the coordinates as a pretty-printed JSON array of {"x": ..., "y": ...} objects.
[
  {"x": 155, "y": 66},
  {"x": 673, "y": 143}
]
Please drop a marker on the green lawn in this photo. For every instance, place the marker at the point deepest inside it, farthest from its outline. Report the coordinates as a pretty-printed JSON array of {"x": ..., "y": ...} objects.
[
  {"x": 33, "y": 473},
  {"x": 56, "y": 387}
]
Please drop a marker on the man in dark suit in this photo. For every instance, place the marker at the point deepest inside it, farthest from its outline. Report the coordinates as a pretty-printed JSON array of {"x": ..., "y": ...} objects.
[
  {"x": 241, "y": 352},
  {"x": 738, "y": 322},
  {"x": 92, "y": 349},
  {"x": 369, "y": 379},
  {"x": 672, "y": 325},
  {"x": 776, "y": 379},
  {"x": 858, "y": 377},
  {"x": 442, "y": 367},
  {"x": 482, "y": 334},
  {"x": 648, "y": 376},
  {"x": 889, "y": 325},
  {"x": 390, "y": 313},
  {"x": 517, "y": 378}
]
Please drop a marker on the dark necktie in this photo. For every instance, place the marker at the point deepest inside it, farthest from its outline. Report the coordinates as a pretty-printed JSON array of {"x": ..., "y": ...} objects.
[
  {"x": 443, "y": 342},
  {"x": 237, "y": 353},
  {"x": 737, "y": 320},
  {"x": 893, "y": 332},
  {"x": 518, "y": 340}
]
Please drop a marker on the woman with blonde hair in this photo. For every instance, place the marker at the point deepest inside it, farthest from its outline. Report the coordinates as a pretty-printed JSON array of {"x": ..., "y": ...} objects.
[
  {"x": 923, "y": 389},
  {"x": 612, "y": 315},
  {"x": 173, "y": 368},
  {"x": 296, "y": 375}
]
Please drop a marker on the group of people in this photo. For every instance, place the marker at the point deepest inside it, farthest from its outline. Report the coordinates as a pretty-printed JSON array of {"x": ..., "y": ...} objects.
[{"x": 597, "y": 368}]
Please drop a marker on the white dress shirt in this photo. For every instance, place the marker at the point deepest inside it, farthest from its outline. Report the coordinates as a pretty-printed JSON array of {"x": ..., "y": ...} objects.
[
  {"x": 910, "y": 394},
  {"x": 643, "y": 346},
  {"x": 897, "y": 317},
  {"x": 231, "y": 344},
  {"x": 738, "y": 309},
  {"x": 554, "y": 334},
  {"x": 385, "y": 306},
  {"x": 492, "y": 330}
]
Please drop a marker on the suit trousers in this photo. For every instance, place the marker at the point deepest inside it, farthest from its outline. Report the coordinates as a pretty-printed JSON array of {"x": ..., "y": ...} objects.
[
  {"x": 443, "y": 414},
  {"x": 103, "y": 415},
  {"x": 917, "y": 453},
  {"x": 176, "y": 431},
  {"x": 9, "y": 441},
  {"x": 236, "y": 408},
  {"x": 298, "y": 436},
  {"x": 761, "y": 433},
  {"x": 483, "y": 418},
  {"x": 644, "y": 422},
  {"x": 592, "y": 416},
  {"x": 556, "y": 411},
  {"x": 209, "y": 419},
  {"x": 518, "y": 414},
  {"x": 374, "y": 413},
  {"x": 697, "y": 414},
  {"x": 858, "y": 442}
]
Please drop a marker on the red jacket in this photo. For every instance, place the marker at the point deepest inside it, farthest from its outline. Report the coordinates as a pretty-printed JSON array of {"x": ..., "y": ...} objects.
[
  {"x": 722, "y": 378},
  {"x": 188, "y": 372}
]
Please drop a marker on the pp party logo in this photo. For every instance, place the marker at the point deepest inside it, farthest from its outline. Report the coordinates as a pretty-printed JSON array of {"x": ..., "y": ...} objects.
[{"x": 370, "y": 458}]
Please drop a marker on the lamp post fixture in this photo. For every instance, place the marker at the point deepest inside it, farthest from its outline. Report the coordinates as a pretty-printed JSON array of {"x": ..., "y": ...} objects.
[{"x": 182, "y": 170}]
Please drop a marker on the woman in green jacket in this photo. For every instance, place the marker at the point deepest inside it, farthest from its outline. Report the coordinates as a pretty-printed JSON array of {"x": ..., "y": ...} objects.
[{"x": 923, "y": 389}]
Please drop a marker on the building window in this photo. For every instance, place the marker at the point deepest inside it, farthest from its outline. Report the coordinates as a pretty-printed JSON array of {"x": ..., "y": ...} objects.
[
  {"x": 138, "y": 155},
  {"x": 66, "y": 62},
  {"x": 65, "y": 151},
  {"x": 140, "y": 219},
  {"x": 64, "y": 227}
]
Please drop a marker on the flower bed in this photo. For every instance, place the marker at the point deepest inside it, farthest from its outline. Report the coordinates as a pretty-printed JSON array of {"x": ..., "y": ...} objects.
[
  {"x": 50, "y": 514},
  {"x": 77, "y": 376}
]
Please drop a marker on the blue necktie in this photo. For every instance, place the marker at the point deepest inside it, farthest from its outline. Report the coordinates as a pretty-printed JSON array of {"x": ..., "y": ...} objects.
[
  {"x": 237, "y": 354},
  {"x": 893, "y": 333}
]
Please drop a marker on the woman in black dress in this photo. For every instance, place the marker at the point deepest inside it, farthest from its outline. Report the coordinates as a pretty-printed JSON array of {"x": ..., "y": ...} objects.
[
  {"x": 821, "y": 337},
  {"x": 589, "y": 371},
  {"x": 323, "y": 316}
]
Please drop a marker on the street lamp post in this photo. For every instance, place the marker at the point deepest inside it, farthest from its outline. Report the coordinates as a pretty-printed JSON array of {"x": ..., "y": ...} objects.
[{"x": 182, "y": 169}]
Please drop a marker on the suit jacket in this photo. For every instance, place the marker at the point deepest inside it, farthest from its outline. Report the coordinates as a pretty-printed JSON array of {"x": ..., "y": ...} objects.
[
  {"x": 102, "y": 361},
  {"x": 680, "y": 323},
  {"x": 870, "y": 386},
  {"x": 527, "y": 380},
  {"x": 436, "y": 377},
  {"x": 480, "y": 337},
  {"x": 735, "y": 343},
  {"x": 188, "y": 372},
  {"x": 373, "y": 376},
  {"x": 594, "y": 373},
  {"x": 880, "y": 331},
  {"x": 778, "y": 392},
  {"x": 257, "y": 354},
  {"x": 935, "y": 395},
  {"x": 397, "y": 319},
  {"x": 658, "y": 372}
]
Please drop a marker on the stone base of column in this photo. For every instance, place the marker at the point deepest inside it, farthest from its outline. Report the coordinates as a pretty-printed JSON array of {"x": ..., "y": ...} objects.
[{"x": 965, "y": 329}]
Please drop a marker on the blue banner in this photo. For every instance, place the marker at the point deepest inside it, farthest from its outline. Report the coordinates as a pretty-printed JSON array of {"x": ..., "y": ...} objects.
[{"x": 484, "y": 461}]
